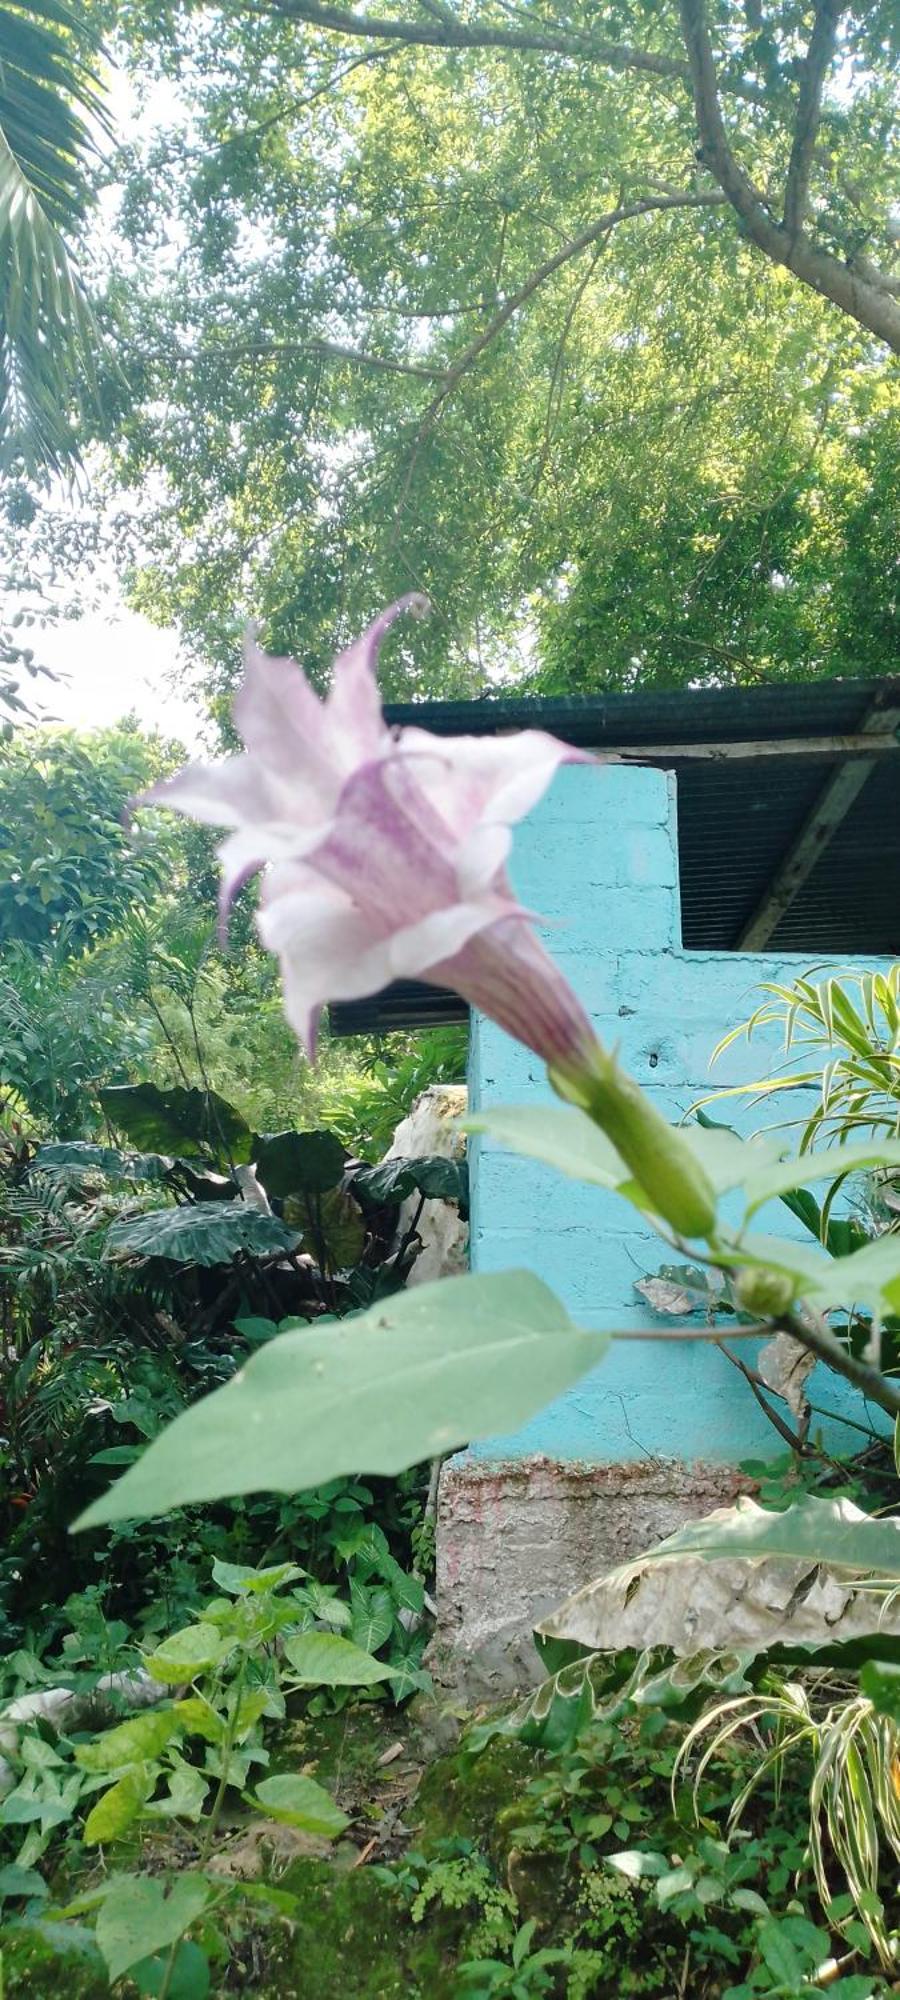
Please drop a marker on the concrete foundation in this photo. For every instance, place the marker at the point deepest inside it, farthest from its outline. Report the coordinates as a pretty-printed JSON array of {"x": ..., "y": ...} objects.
[{"x": 516, "y": 1536}]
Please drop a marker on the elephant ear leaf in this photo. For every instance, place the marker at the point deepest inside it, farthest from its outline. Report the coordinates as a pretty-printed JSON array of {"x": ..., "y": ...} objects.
[
  {"x": 393, "y": 1181},
  {"x": 206, "y": 1232},
  {"x": 178, "y": 1120},
  {"x": 298, "y": 1163}
]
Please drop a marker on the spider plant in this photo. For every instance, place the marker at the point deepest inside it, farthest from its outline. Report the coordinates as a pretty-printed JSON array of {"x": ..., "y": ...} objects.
[
  {"x": 846, "y": 1049},
  {"x": 854, "y": 1792}
]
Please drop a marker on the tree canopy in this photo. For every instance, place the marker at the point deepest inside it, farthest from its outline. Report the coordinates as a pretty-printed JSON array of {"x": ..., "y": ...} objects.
[{"x": 580, "y": 323}]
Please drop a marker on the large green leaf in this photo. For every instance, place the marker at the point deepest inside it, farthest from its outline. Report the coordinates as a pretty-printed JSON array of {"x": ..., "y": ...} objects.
[
  {"x": 178, "y": 1120},
  {"x": 805, "y": 1169},
  {"x": 298, "y": 1162},
  {"x": 141, "y": 1738},
  {"x": 81, "y": 1155},
  {"x": 393, "y": 1181},
  {"x": 323, "y": 1659},
  {"x": 138, "y": 1917},
  {"x": 415, "y": 1376},
  {"x": 196, "y": 1649},
  {"x": 810, "y": 1530},
  {"x": 331, "y": 1227},
  {"x": 119, "y": 1807},
  {"x": 298, "y": 1801},
  {"x": 208, "y": 1232}
]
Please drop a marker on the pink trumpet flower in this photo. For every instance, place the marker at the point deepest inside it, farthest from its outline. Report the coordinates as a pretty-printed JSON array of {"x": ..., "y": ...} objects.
[{"x": 384, "y": 850}]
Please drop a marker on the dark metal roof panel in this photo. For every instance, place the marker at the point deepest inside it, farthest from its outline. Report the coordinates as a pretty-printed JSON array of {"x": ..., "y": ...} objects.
[{"x": 661, "y": 715}]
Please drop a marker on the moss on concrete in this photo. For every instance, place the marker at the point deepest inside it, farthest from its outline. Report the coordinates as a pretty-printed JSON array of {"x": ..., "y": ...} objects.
[
  {"x": 351, "y": 1936},
  {"x": 35, "y": 1969}
]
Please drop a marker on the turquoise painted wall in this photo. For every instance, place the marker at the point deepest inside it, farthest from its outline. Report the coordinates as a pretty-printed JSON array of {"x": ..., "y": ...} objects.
[{"x": 598, "y": 859}]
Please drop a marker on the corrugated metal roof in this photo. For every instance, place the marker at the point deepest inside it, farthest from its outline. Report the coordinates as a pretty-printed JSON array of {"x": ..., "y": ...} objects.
[{"x": 737, "y": 820}]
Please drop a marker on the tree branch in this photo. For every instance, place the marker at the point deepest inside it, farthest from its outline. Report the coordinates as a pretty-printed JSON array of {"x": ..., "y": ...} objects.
[
  {"x": 818, "y": 61},
  {"x": 867, "y": 300},
  {"x": 444, "y": 31},
  {"x": 326, "y": 349},
  {"x": 646, "y": 205}
]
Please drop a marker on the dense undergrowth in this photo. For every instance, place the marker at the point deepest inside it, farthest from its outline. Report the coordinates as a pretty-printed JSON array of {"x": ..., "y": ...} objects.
[{"x": 568, "y": 1871}]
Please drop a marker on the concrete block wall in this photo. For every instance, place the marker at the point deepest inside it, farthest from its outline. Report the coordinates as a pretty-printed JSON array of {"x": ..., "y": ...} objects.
[
  {"x": 657, "y": 1432},
  {"x": 598, "y": 859}
]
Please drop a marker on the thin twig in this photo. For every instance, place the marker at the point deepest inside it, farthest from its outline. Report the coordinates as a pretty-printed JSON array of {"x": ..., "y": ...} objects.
[{"x": 794, "y": 1440}]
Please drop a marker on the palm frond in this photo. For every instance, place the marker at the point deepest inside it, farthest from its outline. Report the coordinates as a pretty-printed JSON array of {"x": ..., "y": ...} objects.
[{"x": 49, "y": 339}]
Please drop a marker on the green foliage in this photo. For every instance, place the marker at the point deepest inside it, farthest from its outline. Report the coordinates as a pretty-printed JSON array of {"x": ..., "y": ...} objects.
[
  {"x": 51, "y": 114},
  {"x": 203, "y": 1232},
  {"x": 367, "y": 1108},
  {"x": 62, "y": 1028},
  {"x": 848, "y": 1052},
  {"x": 415, "y": 1376},
  {"x": 70, "y": 872},
  {"x": 853, "y": 1802},
  {"x": 177, "y": 1762},
  {"x": 618, "y": 1884},
  {"x": 299, "y": 1163},
  {"x": 679, "y": 464},
  {"x": 177, "y": 1120},
  {"x": 434, "y": 1177}
]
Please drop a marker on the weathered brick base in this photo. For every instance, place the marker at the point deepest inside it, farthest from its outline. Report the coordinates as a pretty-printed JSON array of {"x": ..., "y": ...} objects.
[{"x": 515, "y": 1536}]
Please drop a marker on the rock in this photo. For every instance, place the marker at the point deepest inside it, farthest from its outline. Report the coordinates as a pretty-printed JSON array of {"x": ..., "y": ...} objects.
[{"x": 431, "y": 1128}]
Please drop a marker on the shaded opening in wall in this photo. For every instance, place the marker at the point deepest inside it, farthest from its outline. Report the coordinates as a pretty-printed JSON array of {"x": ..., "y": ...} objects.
[{"x": 788, "y": 814}]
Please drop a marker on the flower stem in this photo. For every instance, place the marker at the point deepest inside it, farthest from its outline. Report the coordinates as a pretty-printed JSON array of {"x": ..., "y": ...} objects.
[{"x": 228, "y": 1742}]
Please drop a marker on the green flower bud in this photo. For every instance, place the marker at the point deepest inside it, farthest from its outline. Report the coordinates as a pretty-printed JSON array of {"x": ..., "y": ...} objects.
[
  {"x": 658, "y": 1155},
  {"x": 765, "y": 1293}
]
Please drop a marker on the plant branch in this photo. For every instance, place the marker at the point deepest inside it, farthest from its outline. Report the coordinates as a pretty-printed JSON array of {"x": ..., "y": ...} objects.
[
  {"x": 814, "y": 1335},
  {"x": 818, "y": 61},
  {"x": 644, "y": 205},
  {"x": 791, "y": 1438},
  {"x": 867, "y": 299}
]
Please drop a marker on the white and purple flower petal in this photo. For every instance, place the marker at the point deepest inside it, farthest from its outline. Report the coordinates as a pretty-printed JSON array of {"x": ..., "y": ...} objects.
[{"x": 385, "y": 854}]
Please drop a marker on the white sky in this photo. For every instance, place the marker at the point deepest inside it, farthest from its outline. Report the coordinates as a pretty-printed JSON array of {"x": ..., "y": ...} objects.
[{"x": 114, "y": 663}]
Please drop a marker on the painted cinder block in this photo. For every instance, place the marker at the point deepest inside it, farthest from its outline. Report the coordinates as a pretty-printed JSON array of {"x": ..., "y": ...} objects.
[{"x": 598, "y": 858}]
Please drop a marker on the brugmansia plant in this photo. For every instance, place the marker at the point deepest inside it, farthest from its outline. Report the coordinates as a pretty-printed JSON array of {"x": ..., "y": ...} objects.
[{"x": 385, "y": 856}]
